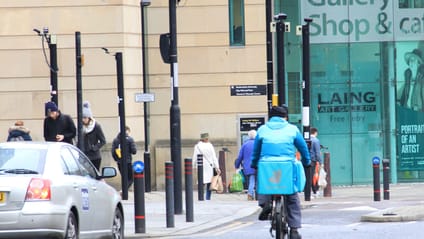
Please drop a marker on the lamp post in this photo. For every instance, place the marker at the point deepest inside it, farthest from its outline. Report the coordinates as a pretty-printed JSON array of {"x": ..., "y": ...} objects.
[
  {"x": 78, "y": 66},
  {"x": 269, "y": 62},
  {"x": 147, "y": 165},
  {"x": 175, "y": 114},
  {"x": 122, "y": 134},
  {"x": 280, "y": 57},
  {"x": 306, "y": 72}
]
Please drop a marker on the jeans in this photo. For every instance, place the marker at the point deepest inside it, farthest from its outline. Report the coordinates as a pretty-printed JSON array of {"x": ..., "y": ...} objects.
[
  {"x": 252, "y": 183},
  {"x": 208, "y": 191}
]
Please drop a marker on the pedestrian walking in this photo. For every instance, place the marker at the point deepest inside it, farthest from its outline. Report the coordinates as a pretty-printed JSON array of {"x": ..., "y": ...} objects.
[
  {"x": 244, "y": 159},
  {"x": 210, "y": 161},
  {"x": 279, "y": 139},
  {"x": 18, "y": 132},
  {"x": 93, "y": 137},
  {"x": 117, "y": 154},
  {"x": 58, "y": 127},
  {"x": 316, "y": 160}
]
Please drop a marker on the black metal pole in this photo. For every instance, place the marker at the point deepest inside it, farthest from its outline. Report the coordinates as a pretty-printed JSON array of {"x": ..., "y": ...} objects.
[
  {"x": 188, "y": 166},
  {"x": 122, "y": 135},
  {"x": 139, "y": 203},
  {"x": 78, "y": 59},
  {"x": 280, "y": 57},
  {"x": 386, "y": 179},
  {"x": 53, "y": 72},
  {"x": 376, "y": 177},
  {"x": 306, "y": 100},
  {"x": 147, "y": 165},
  {"x": 169, "y": 191},
  {"x": 269, "y": 62},
  {"x": 175, "y": 121},
  {"x": 200, "y": 187}
]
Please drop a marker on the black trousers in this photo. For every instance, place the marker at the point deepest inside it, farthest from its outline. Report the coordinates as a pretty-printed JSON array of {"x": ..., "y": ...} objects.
[{"x": 130, "y": 173}]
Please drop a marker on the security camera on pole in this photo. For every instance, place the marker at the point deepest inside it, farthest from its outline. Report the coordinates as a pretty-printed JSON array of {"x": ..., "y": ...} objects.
[{"x": 52, "y": 64}]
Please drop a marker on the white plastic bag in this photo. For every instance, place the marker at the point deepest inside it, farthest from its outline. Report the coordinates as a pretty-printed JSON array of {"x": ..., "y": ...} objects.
[{"x": 322, "y": 182}]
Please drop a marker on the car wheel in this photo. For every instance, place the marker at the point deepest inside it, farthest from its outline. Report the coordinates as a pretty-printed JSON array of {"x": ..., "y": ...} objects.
[
  {"x": 72, "y": 227},
  {"x": 118, "y": 225}
]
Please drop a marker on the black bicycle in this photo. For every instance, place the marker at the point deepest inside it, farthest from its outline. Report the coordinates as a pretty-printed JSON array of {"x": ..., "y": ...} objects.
[{"x": 279, "y": 217}]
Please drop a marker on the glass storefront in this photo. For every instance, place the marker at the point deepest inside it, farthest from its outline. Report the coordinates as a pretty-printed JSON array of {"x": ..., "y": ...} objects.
[{"x": 367, "y": 83}]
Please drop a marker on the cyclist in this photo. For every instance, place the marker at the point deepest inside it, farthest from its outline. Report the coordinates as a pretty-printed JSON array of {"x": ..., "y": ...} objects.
[{"x": 284, "y": 146}]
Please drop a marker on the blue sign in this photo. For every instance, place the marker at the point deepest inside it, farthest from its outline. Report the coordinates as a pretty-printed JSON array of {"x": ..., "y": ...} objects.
[
  {"x": 376, "y": 160},
  {"x": 138, "y": 166}
]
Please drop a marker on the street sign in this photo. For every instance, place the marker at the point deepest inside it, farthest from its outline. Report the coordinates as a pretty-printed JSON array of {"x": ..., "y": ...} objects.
[
  {"x": 376, "y": 160},
  {"x": 138, "y": 166},
  {"x": 247, "y": 90},
  {"x": 144, "y": 97}
]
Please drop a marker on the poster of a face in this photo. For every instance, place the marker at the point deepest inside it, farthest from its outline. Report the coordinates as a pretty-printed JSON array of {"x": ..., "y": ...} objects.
[{"x": 410, "y": 70}]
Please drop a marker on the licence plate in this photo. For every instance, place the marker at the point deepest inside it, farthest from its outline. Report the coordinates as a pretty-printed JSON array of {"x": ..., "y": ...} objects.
[{"x": 2, "y": 197}]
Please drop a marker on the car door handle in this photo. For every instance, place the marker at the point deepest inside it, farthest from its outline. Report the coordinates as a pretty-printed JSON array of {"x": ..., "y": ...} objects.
[
  {"x": 76, "y": 186},
  {"x": 94, "y": 188}
]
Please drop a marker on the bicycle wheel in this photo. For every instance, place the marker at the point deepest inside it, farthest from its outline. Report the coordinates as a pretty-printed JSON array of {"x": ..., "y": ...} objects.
[{"x": 279, "y": 230}]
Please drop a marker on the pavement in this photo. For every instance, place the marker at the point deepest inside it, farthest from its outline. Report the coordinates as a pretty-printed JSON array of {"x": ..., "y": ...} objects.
[{"x": 405, "y": 203}]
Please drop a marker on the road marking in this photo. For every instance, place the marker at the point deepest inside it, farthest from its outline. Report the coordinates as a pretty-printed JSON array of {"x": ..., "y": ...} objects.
[
  {"x": 354, "y": 224},
  {"x": 230, "y": 227},
  {"x": 361, "y": 208}
]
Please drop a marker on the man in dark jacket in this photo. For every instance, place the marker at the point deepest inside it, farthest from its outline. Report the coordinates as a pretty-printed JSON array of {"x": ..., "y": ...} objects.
[
  {"x": 116, "y": 153},
  {"x": 58, "y": 127}
]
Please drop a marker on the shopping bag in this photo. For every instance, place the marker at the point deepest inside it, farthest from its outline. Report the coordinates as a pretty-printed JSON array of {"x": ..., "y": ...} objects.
[
  {"x": 216, "y": 184},
  {"x": 236, "y": 183},
  {"x": 322, "y": 182},
  {"x": 316, "y": 174}
]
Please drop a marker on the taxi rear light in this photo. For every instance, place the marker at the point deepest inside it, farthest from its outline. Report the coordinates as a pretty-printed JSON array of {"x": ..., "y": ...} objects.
[{"x": 38, "y": 189}]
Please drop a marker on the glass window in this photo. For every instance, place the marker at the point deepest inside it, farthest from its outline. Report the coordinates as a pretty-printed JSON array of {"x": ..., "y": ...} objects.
[
  {"x": 86, "y": 166},
  {"x": 32, "y": 159},
  {"x": 237, "y": 23},
  {"x": 69, "y": 165}
]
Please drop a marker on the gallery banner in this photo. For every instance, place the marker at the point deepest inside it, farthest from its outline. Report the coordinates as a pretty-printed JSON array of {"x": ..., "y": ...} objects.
[
  {"x": 410, "y": 105},
  {"x": 364, "y": 20}
]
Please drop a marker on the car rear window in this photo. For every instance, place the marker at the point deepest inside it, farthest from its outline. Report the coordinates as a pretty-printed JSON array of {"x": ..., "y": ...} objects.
[{"x": 20, "y": 158}]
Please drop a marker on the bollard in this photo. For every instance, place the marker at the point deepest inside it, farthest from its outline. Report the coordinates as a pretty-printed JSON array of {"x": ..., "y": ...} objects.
[
  {"x": 386, "y": 179},
  {"x": 223, "y": 169},
  {"x": 327, "y": 189},
  {"x": 139, "y": 203},
  {"x": 200, "y": 189},
  {"x": 188, "y": 166},
  {"x": 376, "y": 176},
  {"x": 169, "y": 185}
]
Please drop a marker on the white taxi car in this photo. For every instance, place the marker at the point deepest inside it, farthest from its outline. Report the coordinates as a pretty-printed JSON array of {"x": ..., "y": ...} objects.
[{"x": 51, "y": 190}]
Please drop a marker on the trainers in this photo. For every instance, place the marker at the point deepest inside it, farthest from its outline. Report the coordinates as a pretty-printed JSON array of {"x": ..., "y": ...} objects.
[
  {"x": 264, "y": 215},
  {"x": 250, "y": 198},
  {"x": 294, "y": 234}
]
